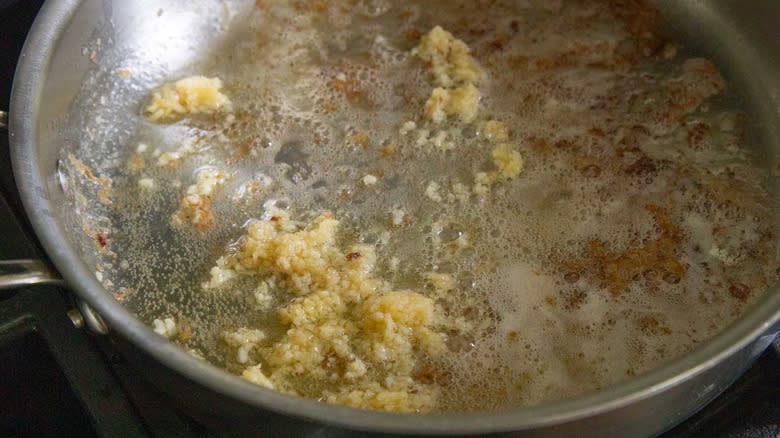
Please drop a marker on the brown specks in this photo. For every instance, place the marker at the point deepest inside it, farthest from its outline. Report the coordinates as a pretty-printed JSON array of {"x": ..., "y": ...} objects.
[
  {"x": 135, "y": 163},
  {"x": 671, "y": 278},
  {"x": 597, "y": 132},
  {"x": 345, "y": 194},
  {"x": 591, "y": 171},
  {"x": 499, "y": 42},
  {"x": 574, "y": 299},
  {"x": 644, "y": 165},
  {"x": 518, "y": 61},
  {"x": 359, "y": 139},
  {"x": 565, "y": 143},
  {"x": 642, "y": 20},
  {"x": 346, "y": 84},
  {"x": 184, "y": 330},
  {"x": 699, "y": 81},
  {"x": 196, "y": 211},
  {"x": 195, "y": 206},
  {"x": 104, "y": 193},
  {"x": 428, "y": 374},
  {"x": 651, "y": 326},
  {"x": 389, "y": 149},
  {"x": 82, "y": 168},
  {"x": 329, "y": 107},
  {"x": 318, "y": 6},
  {"x": 698, "y": 135},
  {"x": 615, "y": 271},
  {"x": 425, "y": 374},
  {"x": 739, "y": 291},
  {"x": 103, "y": 183}
]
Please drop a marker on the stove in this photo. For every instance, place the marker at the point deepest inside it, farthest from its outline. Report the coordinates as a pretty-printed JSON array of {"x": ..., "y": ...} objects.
[{"x": 60, "y": 380}]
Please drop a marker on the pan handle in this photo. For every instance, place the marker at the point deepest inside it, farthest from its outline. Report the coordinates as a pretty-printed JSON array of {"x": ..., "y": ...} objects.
[
  {"x": 31, "y": 272},
  {"x": 17, "y": 273}
]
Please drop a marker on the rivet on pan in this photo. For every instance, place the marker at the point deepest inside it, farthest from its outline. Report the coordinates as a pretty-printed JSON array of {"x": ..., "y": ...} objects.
[
  {"x": 76, "y": 318},
  {"x": 92, "y": 320}
]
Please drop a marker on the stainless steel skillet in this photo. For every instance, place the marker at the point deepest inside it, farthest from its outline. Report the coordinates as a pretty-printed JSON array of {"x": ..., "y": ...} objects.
[{"x": 744, "y": 38}]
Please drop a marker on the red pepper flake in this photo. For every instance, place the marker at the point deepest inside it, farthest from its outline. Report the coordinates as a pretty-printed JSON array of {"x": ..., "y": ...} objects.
[
  {"x": 352, "y": 256},
  {"x": 275, "y": 218},
  {"x": 101, "y": 240}
]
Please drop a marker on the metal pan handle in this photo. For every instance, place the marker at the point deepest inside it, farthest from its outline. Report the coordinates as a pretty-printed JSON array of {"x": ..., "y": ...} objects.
[
  {"x": 17, "y": 273},
  {"x": 31, "y": 272},
  {"x": 25, "y": 272}
]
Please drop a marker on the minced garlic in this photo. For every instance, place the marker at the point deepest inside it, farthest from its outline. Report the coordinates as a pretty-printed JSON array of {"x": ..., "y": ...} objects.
[
  {"x": 165, "y": 327},
  {"x": 146, "y": 183},
  {"x": 494, "y": 130},
  {"x": 455, "y": 71},
  {"x": 449, "y": 59},
  {"x": 343, "y": 322},
  {"x": 482, "y": 182},
  {"x": 369, "y": 180},
  {"x": 397, "y": 215},
  {"x": 407, "y": 127},
  {"x": 195, "y": 207},
  {"x": 508, "y": 161},
  {"x": 440, "y": 281},
  {"x": 459, "y": 193},
  {"x": 245, "y": 340},
  {"x": 191, "y": 95},
  {"x": 432, "y": 191},
  {"x": 255, "y": 375},
  {"x": 263, "y": 296},
  {"x": 461, "y": 102}
]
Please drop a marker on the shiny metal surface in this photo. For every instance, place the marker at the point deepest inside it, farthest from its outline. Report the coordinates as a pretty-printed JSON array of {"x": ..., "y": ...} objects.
[
  {"x": 92, "y": 319},
  {"x": 57, "y": 62},
  {"x": 76, "y": 318},
  {"x": 17, "y": 273}
]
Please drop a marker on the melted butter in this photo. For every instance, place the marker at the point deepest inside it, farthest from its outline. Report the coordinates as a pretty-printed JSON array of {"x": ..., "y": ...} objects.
[{"x": 638, "y": 201}]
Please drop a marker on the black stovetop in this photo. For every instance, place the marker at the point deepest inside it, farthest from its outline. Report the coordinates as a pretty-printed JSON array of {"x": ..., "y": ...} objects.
[{"x": 59, "y": 380}]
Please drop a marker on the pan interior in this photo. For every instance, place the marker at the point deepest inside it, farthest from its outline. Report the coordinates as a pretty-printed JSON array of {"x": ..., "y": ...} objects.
[{"x": 313, "y": 117}]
